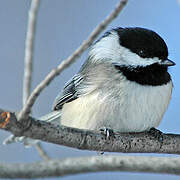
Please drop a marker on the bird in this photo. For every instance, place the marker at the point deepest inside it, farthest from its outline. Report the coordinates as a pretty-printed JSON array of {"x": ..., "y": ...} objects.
[{"x": 124, "y": 84}]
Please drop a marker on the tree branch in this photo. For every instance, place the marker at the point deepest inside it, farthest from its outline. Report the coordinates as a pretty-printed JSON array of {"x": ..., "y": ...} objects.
[
  {"x": 69, "y": 166},
  {"x": 143, "y": 142},
  {"x": 67, "y": 62}
]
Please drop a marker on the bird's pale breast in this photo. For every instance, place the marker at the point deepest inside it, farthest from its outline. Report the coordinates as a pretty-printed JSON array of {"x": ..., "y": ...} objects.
[{"x": 133, "y": 108}]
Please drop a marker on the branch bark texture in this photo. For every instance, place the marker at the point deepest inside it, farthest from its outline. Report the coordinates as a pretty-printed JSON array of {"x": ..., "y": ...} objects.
[
  {"x": 143, "y": 142},
  {"x": 71, "y": 166}
]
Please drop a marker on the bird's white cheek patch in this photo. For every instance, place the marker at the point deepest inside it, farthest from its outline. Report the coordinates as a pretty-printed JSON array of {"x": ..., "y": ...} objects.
[
  {"x": 106, "y": 49},
  {"x": 132, "y": 59},
  {"x": 109, "y": 49}
]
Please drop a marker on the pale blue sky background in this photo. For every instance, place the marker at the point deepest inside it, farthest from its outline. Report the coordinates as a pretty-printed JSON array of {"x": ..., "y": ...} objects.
[{"x": 61, "y": 27}]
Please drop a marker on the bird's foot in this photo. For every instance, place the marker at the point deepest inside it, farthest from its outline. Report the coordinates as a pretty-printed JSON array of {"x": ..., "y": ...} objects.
[
  {"x": 107, "y": 132},
  {"x": 157, "y": 134}
]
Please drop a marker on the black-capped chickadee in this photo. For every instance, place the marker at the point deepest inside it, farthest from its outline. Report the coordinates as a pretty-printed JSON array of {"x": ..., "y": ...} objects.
[{"x": 124, "y": 85}]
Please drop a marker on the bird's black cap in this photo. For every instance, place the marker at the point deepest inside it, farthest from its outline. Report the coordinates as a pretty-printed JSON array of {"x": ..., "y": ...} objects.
[{"x": 144, "y": 42}]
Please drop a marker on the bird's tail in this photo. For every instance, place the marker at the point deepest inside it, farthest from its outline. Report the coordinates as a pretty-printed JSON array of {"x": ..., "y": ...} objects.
[{"x": 53, "y": 117}]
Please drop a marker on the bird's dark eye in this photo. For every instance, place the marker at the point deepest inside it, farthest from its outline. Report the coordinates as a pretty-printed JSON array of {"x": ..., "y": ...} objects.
[{"x": 142, "y": 53}]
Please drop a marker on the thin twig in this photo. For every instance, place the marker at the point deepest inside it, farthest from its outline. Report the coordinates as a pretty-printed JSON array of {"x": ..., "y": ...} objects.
[
  {"x": 69, "y": 166},
  {"x": 67, "y": 62},
  {"x": 29, "y": 44},
  {"x": 41, "y": 151},
  {"x": 28, "y": 61}
]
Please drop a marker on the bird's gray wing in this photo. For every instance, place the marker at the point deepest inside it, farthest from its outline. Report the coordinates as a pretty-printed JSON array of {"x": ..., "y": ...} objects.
[{"x": 69, "y": 92}]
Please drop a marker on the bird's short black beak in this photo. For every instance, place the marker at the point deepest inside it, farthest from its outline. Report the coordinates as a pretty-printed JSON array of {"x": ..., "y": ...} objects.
[{"x": 167, "y": 62}]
